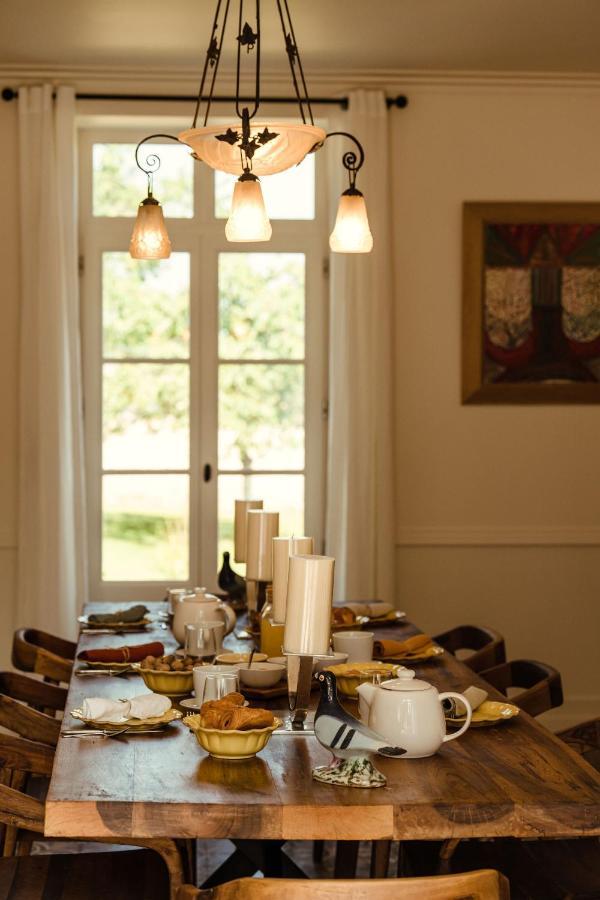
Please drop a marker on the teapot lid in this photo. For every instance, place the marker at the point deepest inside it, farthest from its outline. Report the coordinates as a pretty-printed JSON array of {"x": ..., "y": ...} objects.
[{"x": 405, "y": 681}]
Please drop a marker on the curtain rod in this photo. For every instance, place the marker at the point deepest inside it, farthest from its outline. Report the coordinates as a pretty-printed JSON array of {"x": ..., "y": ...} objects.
[{"x": 398, "y": 102}]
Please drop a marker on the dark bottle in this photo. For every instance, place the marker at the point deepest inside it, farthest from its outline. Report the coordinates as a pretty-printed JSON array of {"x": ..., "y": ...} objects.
[{"x": 230, "y": 581}]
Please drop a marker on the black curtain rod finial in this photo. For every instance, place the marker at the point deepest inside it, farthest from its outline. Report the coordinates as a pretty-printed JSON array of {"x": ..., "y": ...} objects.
[{"x": 9, "y": 94}]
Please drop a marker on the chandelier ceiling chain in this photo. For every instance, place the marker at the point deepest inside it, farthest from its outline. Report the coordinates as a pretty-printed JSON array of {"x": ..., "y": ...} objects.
[{"x": 250, "y": 148}]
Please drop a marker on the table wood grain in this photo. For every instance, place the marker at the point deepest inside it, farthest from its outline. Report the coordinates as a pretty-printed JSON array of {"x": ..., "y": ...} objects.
[{"x": 515, "y": 779}]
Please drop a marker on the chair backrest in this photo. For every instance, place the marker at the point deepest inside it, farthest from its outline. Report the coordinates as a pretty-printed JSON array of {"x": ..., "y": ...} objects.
[
  {"x": 43, "y": 653},
  {"x": 28, "y": 723},
  {"x": 541, "y": 684},
  {"x": 18, "y": 760},
  {"x": 38, "y": 694},
  {"x": 480, "y": 885},
  {"x": 486, "y": 645}
]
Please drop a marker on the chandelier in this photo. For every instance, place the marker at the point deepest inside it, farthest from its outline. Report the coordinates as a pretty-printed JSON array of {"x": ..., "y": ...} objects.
[{"x": 251, "y": 147}]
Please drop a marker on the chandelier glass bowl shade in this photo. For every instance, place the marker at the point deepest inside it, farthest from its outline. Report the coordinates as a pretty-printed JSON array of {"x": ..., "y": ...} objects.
[
  {"x": 251, "y": 146},
  {"x": 291, "y": 144}
]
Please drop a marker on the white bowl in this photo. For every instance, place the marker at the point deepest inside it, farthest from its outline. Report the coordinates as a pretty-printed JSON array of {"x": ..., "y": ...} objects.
[
  {"x": 261, "y": 675},
  {"x": 335, "y": 659}
]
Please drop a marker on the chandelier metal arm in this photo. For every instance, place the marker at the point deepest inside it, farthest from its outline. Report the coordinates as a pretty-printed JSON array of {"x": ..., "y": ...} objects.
[
  {"x": 293, "y": 54},
  {"x": 251, "y": 40},
  {"x": 212, "y": 60},
  {"x": 351, "y": 160},
  {"x": 153, "y": 159}
]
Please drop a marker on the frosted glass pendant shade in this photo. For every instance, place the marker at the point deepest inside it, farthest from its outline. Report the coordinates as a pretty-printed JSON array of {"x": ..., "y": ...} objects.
[
  {"x": 351, "y": 233},
  {"x": 150, "y": 239},
  {"x": 248, "y": 220},
  {"x": 288, "y": 148}
]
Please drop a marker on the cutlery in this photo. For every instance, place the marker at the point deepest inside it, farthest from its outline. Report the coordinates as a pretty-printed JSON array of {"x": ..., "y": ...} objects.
[
  {"x": 95, "y": 732},
  {"x": 113, "y": 631}
]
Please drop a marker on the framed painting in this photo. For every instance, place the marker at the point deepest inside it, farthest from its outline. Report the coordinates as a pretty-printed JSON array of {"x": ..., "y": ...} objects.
[{"x": 531, "y": 303}]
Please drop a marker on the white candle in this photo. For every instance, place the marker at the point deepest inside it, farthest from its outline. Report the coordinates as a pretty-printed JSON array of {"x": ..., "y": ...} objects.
[
  {"x": 262, "y": 527},
  {"x": 239, "y": 527},
  {"x": 309, "y": 600},
  {"x": 283, "y": 548}
]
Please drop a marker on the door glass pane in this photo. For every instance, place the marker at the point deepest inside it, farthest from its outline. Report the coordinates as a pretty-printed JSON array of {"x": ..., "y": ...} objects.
[
  {"x": 261, "y": 416},
  {"x": 145, "y": 522},
  {"x": 119, "y": 185},
  {"x": 145, "y": 306},
  {"x": 145, "y": 416},
  {"x": 284, "y": 493},
  {"x": 288, "y": 195},
  {"x": 261, "y": 305}
]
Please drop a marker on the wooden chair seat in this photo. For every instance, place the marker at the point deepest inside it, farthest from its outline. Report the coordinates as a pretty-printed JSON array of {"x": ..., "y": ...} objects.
[
  {"x": 483, "y": 885},
  {"x": 85, "y": 876},
  {"x": 43, "y": 653},
  {"x": 485, "y": 645},
  {"x": 540, "y": 684}
]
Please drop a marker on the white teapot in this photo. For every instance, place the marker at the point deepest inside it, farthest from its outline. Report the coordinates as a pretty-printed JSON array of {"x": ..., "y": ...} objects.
[
  {"x": 408, "y": 713},
  {"x": 200, "y": 606}
]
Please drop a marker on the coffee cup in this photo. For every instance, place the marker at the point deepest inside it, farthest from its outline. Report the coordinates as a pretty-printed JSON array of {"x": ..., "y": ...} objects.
[{"x": 357, "y": 644}]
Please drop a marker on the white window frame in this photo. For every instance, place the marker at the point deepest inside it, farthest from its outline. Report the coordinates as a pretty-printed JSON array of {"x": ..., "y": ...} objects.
[{"x": 203, "y": 237}]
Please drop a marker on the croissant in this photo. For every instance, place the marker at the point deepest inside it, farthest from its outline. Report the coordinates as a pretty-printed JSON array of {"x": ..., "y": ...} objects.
[
  {"x": 211, "y": 718},
  {"x": 242, "y": 718},
  {"x": 342, "y": 615}
]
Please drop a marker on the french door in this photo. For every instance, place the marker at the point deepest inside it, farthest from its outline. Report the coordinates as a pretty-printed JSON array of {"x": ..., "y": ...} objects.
[{"x": 204, "y": 374}]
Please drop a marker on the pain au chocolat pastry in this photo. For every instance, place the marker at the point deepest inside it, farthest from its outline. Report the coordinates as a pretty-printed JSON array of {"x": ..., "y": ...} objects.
[{"x": 240, "y": 718}]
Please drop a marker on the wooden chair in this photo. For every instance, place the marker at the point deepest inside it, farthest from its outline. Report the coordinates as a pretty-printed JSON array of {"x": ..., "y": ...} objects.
[
  {"x": 22, "y": 816},
  {"x": 486, "y": 646},
  {"x": 541, "y": 686},
  {"x": 483, "y": 885},
  {"x": 585, "y": 740},
  {"x": 38, "y": 694},
  {"x": 43, "y": 653}
]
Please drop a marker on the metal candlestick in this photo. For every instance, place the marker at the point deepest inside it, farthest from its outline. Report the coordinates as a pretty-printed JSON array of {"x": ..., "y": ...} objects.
[
  {"x": 256, "y": 595},
  {"x": 299, "y": 673}
]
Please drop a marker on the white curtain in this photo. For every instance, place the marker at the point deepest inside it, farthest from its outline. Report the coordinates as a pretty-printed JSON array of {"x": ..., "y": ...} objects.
[
  {"x": 52, "y": 542},
  {"x": 360, "y": 487}
]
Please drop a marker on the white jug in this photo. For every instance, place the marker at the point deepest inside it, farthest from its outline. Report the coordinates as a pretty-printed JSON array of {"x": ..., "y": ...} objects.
[
  {"x": 409, "y": 714},
  {"x": 200, "y": 606}
]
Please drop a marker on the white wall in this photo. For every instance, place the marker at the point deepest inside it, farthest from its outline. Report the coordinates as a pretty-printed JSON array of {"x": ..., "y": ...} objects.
[{"x": 498, "y": 507}]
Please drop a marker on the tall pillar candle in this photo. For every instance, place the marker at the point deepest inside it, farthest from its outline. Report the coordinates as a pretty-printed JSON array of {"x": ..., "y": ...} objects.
[
  {"x": 262, "y": 527},
  {"x": 283, "y": 548},
  {"x": 309, "y": 601},
  {"x": 239, "y": 527}
]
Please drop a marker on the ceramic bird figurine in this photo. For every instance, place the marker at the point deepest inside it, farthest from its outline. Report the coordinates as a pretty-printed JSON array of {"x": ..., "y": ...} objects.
[{"x": 350, "y": 741}]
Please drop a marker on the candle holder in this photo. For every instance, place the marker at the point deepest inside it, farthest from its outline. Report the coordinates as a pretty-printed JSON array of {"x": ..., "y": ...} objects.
[
  {"x": 256, "y": 597},
  {"x": 299, "y": 673}
]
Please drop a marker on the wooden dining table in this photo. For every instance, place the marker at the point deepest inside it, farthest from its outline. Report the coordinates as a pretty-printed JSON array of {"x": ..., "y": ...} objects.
[{"x": 513, "y": 779}]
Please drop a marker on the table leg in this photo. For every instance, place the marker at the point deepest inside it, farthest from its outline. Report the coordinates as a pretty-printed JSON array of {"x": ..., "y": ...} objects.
[
  {"x": 380, "y": 858},
  {"x": 250, "y": 857},
  {"x": 346, "y": 858}
]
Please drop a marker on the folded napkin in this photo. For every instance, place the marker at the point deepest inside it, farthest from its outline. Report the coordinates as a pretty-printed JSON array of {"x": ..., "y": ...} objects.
[
  {"x": 101, "y": 709},
  {"x": 115, "y": 712},
  {"x": 373, "y": 608},
  {"x": 133, "y": 614},
  {"x": 412, "y": 645},
  {"x": 454, "y": 709},
  {"x": 122, "y": 654},
  {"x": 145, "y": 706}
]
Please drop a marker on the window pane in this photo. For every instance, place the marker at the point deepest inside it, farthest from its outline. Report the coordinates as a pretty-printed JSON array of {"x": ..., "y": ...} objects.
[
  {"x": 261, "y": 416},
  {"x": 145, "y": 416},
  {"x": 119, "y": 186},
  {"x": 145, "y": 528},
  {"x": 284, "y": 493},
  {"x": 288, "y": 195},
  {"x": 261, "y": 305},
  {"x": 145, "y": 306}
]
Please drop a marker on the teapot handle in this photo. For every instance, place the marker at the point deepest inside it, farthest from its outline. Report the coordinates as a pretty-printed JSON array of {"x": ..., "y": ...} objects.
[
  {"x": 229, "y": 617},
  {"x": 465, "y": 702}
]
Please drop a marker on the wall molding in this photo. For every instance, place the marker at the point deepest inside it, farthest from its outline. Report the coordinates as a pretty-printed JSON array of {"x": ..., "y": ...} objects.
[
  {"x": 498, "y": 536},
  {"x": 186, "y": 78}
]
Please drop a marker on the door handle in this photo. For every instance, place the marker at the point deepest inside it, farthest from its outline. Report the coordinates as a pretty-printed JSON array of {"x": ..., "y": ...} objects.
[{"x": 207, "y": 474}]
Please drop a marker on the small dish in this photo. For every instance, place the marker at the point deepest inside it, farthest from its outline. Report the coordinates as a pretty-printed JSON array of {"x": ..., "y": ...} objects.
[
  {"x": 335, "y": 659},
  {"x": 114, "y": 626},
  {"x": 105, "y": 665},
  {"x": 234, "y": 659},
  {"x": 490, "y": 712},
  {"x": 261, "y": 675},
  {"x": 350, "y": 675},
  {"x": 232, "y": 744},
  {"x": 172, "y": 684},
  {"x": 277, "y": 660},
  {"x": 154, "y": 723},
  {"x": 429, "y": 652},
  {"x": 359, "y": 622}
]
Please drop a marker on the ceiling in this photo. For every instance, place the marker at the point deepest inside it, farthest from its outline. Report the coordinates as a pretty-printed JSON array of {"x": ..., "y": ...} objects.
[{"x": 492, "y": 35}]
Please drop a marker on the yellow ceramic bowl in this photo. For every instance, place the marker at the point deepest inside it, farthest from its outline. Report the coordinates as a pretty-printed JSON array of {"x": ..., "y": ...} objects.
[
  {"x": 224, "y": 744},
  {"x": 350, "y": 675},
  {"x": 172, "y": 684}
]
